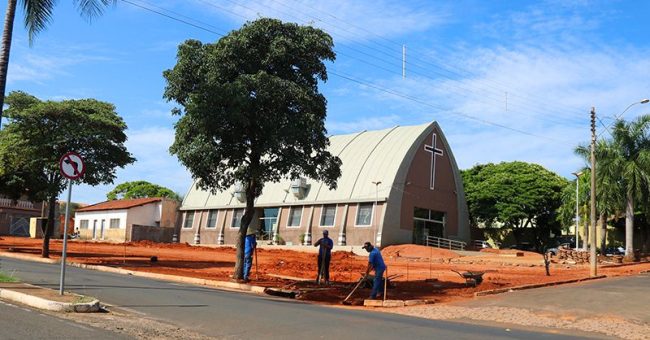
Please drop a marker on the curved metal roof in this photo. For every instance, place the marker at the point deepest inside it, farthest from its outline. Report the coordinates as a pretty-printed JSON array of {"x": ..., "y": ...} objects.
[{"x": 367, "y": 157}]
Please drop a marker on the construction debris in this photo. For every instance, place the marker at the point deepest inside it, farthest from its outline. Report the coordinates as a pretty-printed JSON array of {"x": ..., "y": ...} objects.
[{"x": 576, "y": 256}]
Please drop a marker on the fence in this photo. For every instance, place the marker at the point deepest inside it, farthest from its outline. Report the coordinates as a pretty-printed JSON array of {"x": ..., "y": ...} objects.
[
  {"x": 20, "y": 204},
  {"x": 439, "y": 242}
]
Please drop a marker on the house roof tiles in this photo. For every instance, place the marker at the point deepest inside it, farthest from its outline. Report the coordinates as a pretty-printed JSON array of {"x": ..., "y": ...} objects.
[{"x": 120, "y": 204}]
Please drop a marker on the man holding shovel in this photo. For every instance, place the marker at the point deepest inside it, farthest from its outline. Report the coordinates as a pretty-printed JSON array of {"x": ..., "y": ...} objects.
[
  {"x": 324, "y": 255},
  {"x": 375, "y": 262}
]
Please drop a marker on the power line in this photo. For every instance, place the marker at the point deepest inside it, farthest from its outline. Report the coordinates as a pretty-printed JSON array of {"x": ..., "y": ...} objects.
[
  {"x": 422, "y": 102},
  {"x": 349, "y": 78},
  {"x": 540, "y": 101},
  {"x": 480, "y": 96},
  {"x": 221, "y": 34}
]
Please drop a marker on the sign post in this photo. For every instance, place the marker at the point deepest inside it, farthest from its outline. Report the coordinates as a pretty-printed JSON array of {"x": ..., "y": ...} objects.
[{"x": 72, "y": 167}]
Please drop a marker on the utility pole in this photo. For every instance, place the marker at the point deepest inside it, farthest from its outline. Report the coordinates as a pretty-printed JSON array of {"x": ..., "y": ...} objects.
[{"x": 592, "y": 229}]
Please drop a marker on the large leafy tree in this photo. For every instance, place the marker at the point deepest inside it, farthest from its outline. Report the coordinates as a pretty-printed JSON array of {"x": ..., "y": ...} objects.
[
  {"x": 38, "y": 14},
  {"x": 251, "y": 110},
  {"x": 514, "y": 196},
  {"x": 40, "y": 132},
  {"x": 623, "y": 170},
  {"x": 141, "y": 189}
]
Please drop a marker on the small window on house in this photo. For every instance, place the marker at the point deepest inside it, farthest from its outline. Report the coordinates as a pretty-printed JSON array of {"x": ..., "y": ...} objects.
[
  {"x": 295, "y": 216},
  {"x": 212, "y": 219},
  {"x": 236, "y": 218},
  {"x": 115, "y": 223},
  {"x": 327, "y": 215},
  {"x": 364, "y": 214},
  {"x": 189, "y": 220},
  {"x": 83, "y": 224}
]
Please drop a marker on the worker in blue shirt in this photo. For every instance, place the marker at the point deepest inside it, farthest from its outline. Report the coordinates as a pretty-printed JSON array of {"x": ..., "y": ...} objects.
[
  {"x": 324, "y": 255},
  {"x": 250, "y": 243},
  {"x": 375, "y": 262}
]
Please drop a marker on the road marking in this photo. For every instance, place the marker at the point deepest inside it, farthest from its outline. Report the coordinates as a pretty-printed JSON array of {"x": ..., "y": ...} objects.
[
  {"x": 8, "y": 304},
  {"x": 128, "y": 310},
  {"x": 79, "y": 326}
]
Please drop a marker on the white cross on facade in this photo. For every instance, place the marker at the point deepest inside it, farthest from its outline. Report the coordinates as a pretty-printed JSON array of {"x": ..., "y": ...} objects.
[{"x": 434, "y": 152}]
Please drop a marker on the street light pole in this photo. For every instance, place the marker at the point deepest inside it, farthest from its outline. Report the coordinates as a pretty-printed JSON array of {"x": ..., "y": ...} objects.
[
  {"x": 375, "y": 211},
  {"x": 577, "y": 174},
  {"x": 642, "y": 101}
]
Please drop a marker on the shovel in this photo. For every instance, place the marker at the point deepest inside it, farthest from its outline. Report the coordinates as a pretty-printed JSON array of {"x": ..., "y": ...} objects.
[{"x": 346, "y": 302}]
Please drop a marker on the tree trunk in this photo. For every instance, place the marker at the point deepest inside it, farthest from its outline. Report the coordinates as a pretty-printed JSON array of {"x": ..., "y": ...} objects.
[
  {"x": 4, "y": 53},
  {"x": 585, "y": 239},
  {"x": 49, "y": 228},
  {"x": 243, "y": 229},
  {"x": 629, "y": 227},
  {"x": 603, "y": 233},
  {"x": 644, "y": 246}
]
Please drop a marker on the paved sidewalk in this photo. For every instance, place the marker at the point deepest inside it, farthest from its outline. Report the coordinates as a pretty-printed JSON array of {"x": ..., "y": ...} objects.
[
  {"x": 623, "y": 297},
  {"x": 615, "y": 307},
  {"x": 20, "y": 323}
]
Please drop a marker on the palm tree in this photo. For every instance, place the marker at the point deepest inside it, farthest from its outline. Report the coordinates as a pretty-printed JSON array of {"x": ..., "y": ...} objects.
[
  {"x": 38, "y": 14},
  {"x": 623, "y": 168}
]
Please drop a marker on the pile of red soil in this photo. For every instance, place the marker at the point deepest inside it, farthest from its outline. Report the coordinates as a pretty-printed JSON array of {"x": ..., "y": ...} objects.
[{"x": 417, "y": 251}]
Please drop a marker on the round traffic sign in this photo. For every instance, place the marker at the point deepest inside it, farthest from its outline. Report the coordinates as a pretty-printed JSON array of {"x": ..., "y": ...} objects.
[{"x": 72, "y": 165}]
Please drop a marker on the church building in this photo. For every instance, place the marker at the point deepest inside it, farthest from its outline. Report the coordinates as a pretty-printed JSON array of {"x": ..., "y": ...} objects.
[{"x": 398, "y": 185}]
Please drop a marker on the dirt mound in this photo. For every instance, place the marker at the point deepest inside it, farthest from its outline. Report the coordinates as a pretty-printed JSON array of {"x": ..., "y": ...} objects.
[{"x": 417, "y": 251}]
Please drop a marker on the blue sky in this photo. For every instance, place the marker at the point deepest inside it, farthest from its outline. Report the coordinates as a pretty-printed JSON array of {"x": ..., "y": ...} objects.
[{"x": 507, "y": 80}]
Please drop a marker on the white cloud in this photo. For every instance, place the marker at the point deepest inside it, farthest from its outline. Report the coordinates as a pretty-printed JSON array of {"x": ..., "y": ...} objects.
[
  {"x": 547, "y": 21},
  {"x": 348, "y": 21},
  {"x": 551, "y": 89},
  {"x": 367, "y": 123},
  {"x": 34, "y": 65}
]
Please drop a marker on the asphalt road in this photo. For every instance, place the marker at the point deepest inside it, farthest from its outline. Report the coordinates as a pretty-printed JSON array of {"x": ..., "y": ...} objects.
[
  {"x": 20, "y": 323},
  {"x": 627, "y": 297},
  {"x": 226, "y": 314}
]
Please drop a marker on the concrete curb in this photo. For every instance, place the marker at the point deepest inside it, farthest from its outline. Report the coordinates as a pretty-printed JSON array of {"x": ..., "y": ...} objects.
[
  {"x": 27, "y": 257},
  {"x": 395, "y": 303},
  {"x": 55, "y": 306},
  {"x": 164, "y": 277},
  {"x": 174, "y": 278},
  {"x": 536, "y": 285}
]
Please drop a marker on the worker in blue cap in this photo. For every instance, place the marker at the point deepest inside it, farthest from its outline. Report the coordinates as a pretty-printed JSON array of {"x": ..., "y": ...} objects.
[
  {"x": 324, "y": 255},
  {"x": 250, "y": 243},
  {"x": 376, "y": 263}
]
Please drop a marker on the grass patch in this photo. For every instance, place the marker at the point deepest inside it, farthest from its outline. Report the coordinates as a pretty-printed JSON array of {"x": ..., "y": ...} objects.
[
  {"x": 7, "y": 278},
  {"x": 83, "y": 299}
]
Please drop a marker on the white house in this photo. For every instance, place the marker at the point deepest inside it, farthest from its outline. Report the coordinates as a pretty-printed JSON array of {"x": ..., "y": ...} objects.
[{"x": 128, "y": 220}]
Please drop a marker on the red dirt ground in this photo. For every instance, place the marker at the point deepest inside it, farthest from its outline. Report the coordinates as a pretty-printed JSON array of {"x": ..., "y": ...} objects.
[{"x": 414, "y": 264}]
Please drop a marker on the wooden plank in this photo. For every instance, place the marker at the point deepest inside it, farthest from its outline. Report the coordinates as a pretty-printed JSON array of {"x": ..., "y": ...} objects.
[{"x": 293, "y": 278}]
